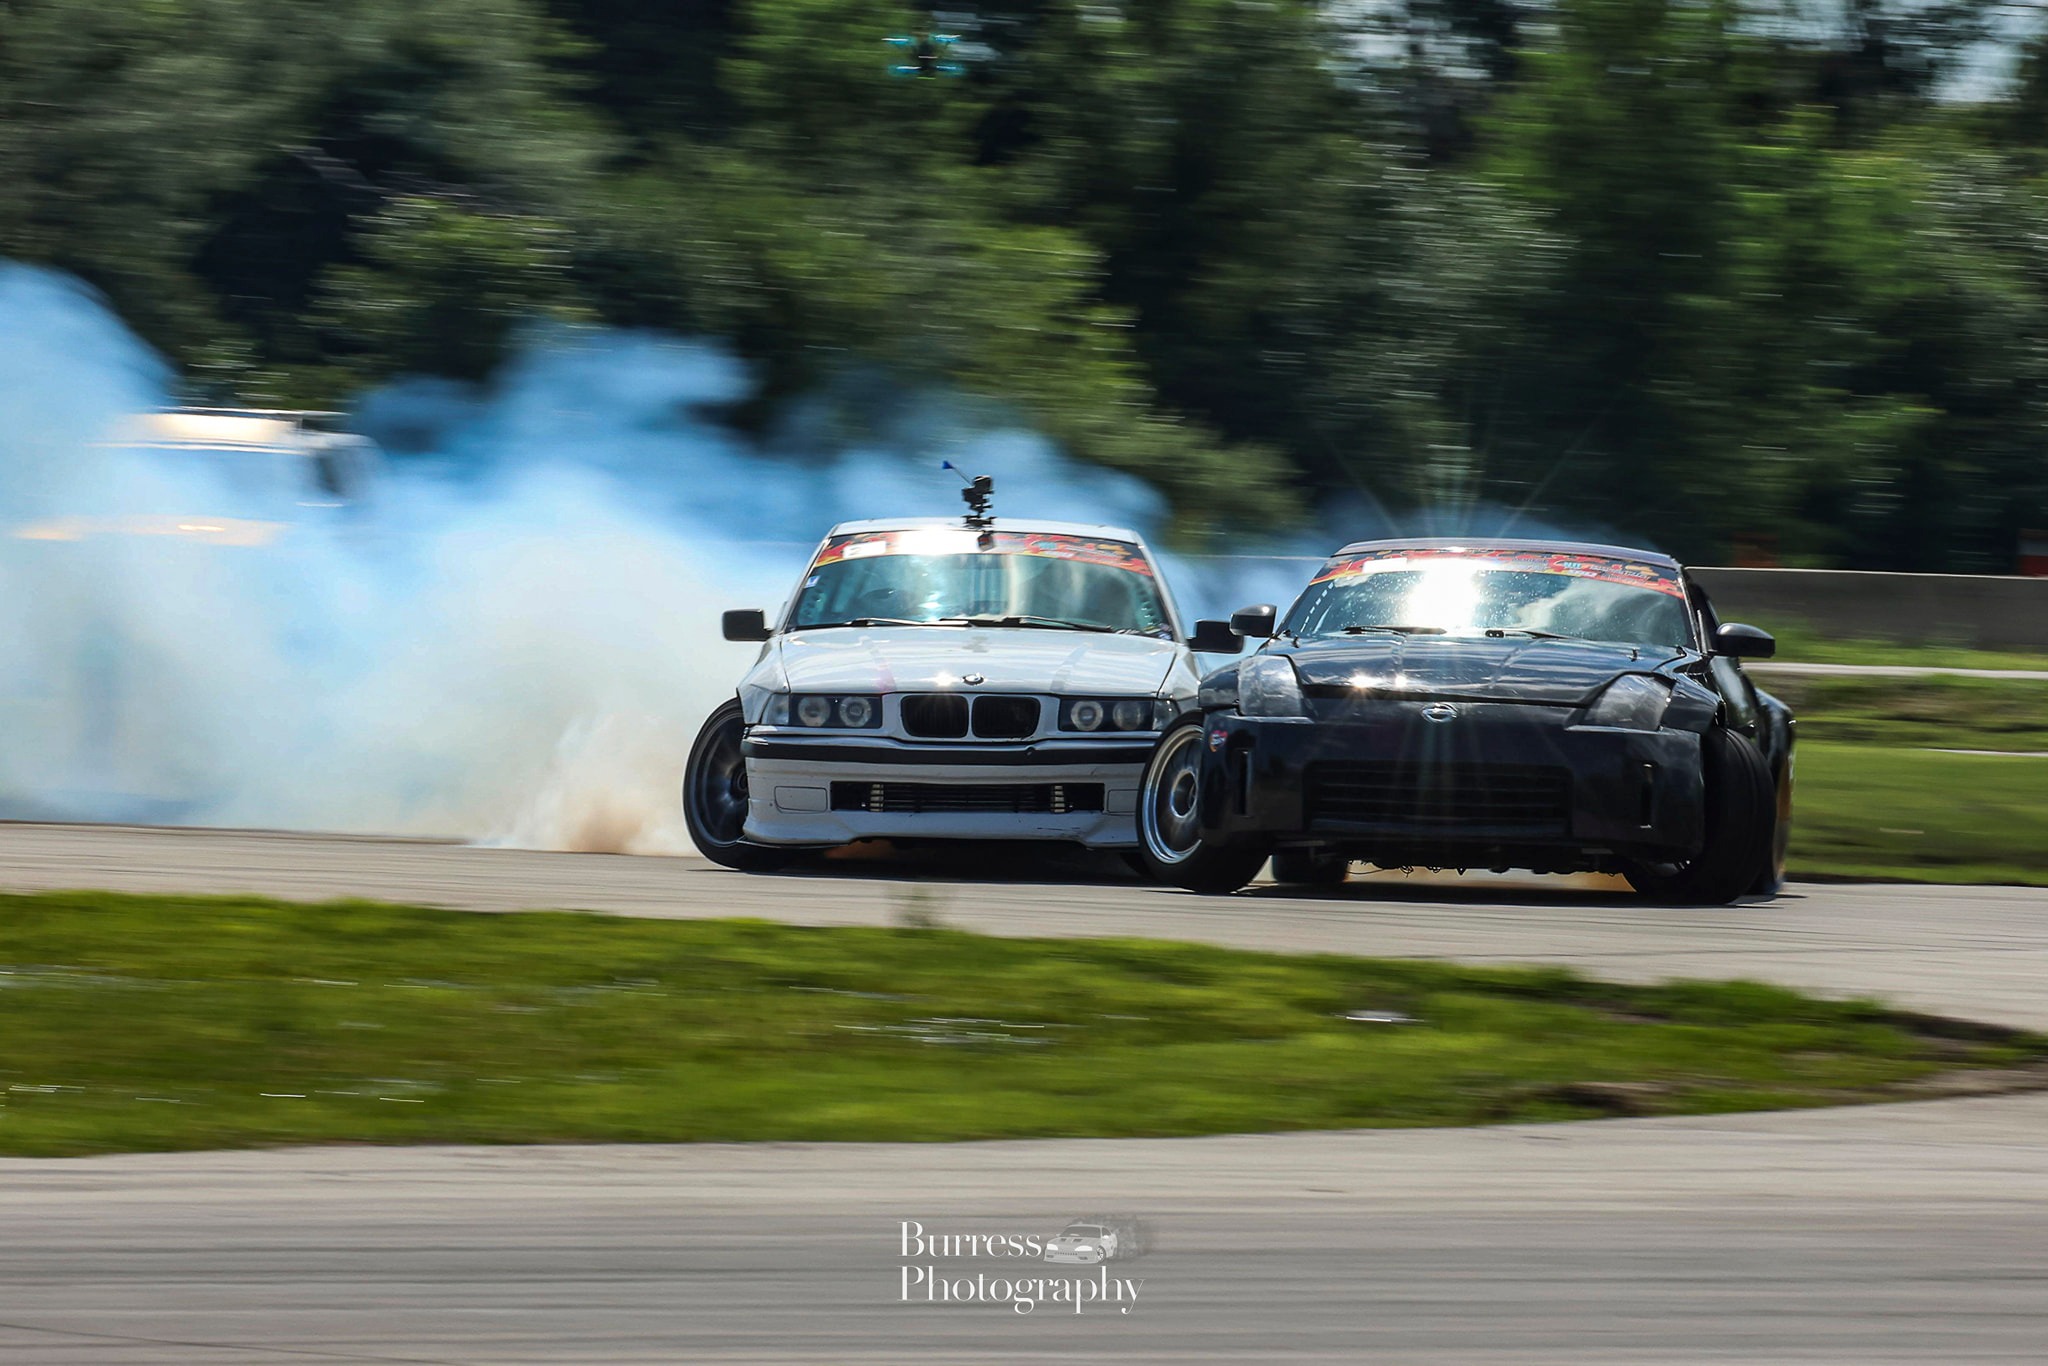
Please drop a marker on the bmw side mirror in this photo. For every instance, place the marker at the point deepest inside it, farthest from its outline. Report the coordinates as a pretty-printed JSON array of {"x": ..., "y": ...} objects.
[
  {"x": 749, "y": 623},
  {"x": 1215, "y": 638},
  {"x": 1256, "y": 621},
  {"x": 1744, "y": 642}
]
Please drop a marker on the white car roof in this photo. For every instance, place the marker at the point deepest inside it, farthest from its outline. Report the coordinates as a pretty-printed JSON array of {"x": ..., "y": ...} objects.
[{"x": 1018, "y": 524}]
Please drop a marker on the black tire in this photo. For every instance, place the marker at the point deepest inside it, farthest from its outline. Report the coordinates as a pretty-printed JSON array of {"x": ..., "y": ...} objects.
[
  {"x": 1169, "y": 821},
  {"x": 1737, "y": 848},
  {"x": 1310, "y": 868},
  {"x": 1771, "y": 880},
  {"x": 715, "y": 797}
]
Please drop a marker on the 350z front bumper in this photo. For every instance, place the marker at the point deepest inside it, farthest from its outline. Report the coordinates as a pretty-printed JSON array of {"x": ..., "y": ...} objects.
[
  {"x": 1490, "y": 784},
  {"x": 813, "y": 790}
]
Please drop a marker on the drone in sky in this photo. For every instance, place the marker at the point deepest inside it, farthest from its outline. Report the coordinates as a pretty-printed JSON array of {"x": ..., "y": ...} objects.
[{"x": 926, "y": 54}]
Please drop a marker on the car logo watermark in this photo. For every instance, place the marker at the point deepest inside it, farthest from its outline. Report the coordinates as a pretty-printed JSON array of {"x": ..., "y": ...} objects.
[
  {"x": 1439, "y": 711},
  {"x": 1023, "y": 1270},
  {"x": 975, "y": 680}
]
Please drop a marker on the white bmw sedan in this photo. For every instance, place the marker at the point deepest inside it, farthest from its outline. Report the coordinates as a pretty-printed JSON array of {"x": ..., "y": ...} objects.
[{"x": 934, "y": 681}]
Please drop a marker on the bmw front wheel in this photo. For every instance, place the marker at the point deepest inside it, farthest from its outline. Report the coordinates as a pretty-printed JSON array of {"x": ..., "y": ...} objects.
[
  {"x": 715, "y": 796},
  {"x": 1169, "y": 820}
]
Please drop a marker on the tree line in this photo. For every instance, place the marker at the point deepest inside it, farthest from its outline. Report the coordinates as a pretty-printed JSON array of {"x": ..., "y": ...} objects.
[{"x": 1736, "y": 276}]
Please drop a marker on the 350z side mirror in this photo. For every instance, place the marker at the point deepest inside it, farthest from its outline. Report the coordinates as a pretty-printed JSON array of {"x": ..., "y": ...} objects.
[
  {"x": 747, "y": 623},
  {"x": 1256, "y": 622},
  {"x": 1215, "y": 638},
  {"x": 1744, "y": 642}
]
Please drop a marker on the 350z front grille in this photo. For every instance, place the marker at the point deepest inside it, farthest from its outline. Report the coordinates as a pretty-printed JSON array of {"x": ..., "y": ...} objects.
[
  {"x": 1009, "y": 798},
  {"x": 1440, "y": 797}
]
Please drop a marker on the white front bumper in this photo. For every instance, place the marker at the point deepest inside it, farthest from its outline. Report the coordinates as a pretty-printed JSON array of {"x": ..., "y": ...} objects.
[
  {"x": 1082, "y": 1256},
  {"x": 790, "y": 787}
]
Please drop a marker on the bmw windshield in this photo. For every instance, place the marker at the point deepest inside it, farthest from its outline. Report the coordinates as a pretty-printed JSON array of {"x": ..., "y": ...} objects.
[
  {"x": 944, "y": 576},
  {"x": 1537, "y": 593}
]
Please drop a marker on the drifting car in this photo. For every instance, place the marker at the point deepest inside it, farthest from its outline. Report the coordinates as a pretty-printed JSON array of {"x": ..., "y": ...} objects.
[
  {"x": 1103, "y": 1238},
  {"x": 1505, "y": 704},
  {"x": 84, "y": 721},
  {"x": 930, "y": 680}
]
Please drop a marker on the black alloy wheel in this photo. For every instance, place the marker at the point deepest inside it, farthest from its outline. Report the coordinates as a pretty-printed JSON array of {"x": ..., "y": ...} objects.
[
  {"x": 1169, "y": 820},
  {"x": 715, "y": 797}
]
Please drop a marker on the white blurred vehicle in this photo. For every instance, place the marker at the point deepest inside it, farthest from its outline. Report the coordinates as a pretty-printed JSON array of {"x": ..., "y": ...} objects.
[
  {"x": 237, "y": 477},
  {"x": 1104, "y": 1238},
  {"x": 1004, "y": 679},
  {"x": 196, "y": 498}
]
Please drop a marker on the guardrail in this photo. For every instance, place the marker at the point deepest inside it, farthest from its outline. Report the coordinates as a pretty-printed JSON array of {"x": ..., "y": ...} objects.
[{"x": 1984, "y": 612}]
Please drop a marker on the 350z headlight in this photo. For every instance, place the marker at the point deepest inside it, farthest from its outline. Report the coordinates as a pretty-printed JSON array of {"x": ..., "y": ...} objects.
[
  {"x": 1631, "y": 702},
  {"x": 1267, "y": 686}
]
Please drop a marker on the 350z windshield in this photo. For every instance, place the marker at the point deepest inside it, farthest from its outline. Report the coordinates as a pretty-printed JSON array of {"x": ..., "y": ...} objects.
[
  {"x": 1590, "y": 597},
  {"x": 944, "y": 575}
]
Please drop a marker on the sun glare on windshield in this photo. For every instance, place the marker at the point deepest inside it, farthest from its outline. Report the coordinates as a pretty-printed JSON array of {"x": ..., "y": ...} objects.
[
  {"x": 1587, "y": 597},
  {"x": 921, "y": 577}
]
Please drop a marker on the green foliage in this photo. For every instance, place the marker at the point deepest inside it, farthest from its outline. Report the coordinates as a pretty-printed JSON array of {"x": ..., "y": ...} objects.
[
  {"x": 132, "y": 1023},
  {"x": 440, "y": 286},
  {"x": 1688, "y": 269}
]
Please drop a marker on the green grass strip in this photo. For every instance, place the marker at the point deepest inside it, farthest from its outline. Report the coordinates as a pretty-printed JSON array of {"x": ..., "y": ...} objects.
[
  {"x": 134, "y": 1023},
  {"x": 1907, "y": 814},
  {"x": 1800, "y": 642}
]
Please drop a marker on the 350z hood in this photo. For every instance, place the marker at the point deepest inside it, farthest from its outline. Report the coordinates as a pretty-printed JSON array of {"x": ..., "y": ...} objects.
[
  {"x": 921, "y": 658},
  {"x": 1509, "y": 669}
]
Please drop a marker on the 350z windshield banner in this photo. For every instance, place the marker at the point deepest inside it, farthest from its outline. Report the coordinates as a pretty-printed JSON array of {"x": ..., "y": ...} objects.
[{"x": 1605, "y": 568}]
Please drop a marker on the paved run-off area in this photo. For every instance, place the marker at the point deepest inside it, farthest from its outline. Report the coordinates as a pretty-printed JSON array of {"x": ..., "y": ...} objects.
[{"x": 1912, "y": 1232}]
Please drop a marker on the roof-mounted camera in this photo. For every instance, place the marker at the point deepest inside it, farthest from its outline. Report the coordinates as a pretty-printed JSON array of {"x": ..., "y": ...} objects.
[{"x": 978, "y": 495}]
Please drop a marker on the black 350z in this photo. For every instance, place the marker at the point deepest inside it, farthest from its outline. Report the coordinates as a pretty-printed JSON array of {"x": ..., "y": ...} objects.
[{"x": 1502, "y": 704}]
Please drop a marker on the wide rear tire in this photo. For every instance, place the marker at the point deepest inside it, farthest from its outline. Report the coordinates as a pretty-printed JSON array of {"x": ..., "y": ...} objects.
[
  {"x": 1738, "y": 845},
  {"x": 715, "y": 797},
  {"x": 1771, "y": 880},
  {"x": 1169, "y": 821}
]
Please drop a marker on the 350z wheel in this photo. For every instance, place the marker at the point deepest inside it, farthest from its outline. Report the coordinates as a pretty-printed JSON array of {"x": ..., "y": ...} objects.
[
  {"x": 1771, "y": 880},
  {"x": 715, "y": 796},
  {"x": 1169, "y": 820},
  {"x": 1310, "y": 868},
  {"x": 1740, "y": 803}
]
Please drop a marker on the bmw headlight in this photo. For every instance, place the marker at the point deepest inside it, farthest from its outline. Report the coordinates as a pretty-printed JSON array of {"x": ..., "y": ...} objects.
[
  {"x": 818, "y": 710},
  {"x": 1267, "y": 686},
  {"x": 1115, "y": 714},
  {"x": 764, "y": 707},
  {"x": 1631, "y": 702}
]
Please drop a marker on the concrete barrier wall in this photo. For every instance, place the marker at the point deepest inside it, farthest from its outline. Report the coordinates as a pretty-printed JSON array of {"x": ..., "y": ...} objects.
[{"x": 1981, "y": 612}]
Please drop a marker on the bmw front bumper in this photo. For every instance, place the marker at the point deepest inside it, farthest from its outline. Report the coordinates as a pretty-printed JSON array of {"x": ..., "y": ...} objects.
[
  {"x": 1484, "y": 784},
  {"x": 818, "y": 790}
]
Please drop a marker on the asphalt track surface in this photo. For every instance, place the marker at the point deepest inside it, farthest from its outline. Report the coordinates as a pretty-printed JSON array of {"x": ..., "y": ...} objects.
[{"x": 1875, "y": 1234}]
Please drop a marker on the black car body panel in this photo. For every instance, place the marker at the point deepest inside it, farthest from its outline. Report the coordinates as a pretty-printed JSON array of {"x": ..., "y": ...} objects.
[{"x": 1478, "y": 750}]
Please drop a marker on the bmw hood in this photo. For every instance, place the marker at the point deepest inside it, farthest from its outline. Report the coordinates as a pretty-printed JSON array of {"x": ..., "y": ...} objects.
[
  {"x": 1006, "y": 659},
  {"x": 1509, "y": 669}
]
